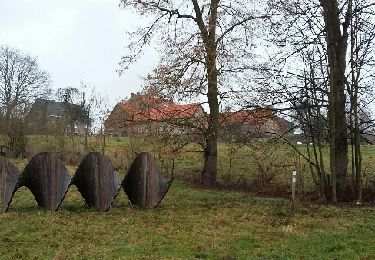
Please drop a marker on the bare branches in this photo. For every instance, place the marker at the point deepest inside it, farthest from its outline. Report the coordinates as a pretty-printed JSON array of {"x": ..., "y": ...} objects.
[
  {"x": 199, "y": 21},
  {"x": 21, "y": 81},
  {"x": 239, "y": 23}
]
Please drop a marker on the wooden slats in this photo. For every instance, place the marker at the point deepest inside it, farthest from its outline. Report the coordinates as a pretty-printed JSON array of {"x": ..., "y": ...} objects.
[
  {"x": 48, "y": 179},
  {"x": 9, "y": 177},
  {"x": 97, "y": 181},
  {"x": 144, "y": 184}
]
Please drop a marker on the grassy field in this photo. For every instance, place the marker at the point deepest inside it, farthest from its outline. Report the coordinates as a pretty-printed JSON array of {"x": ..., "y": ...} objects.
[
  {"x": 189, "y": 223},
  {"x": 244, "y": 166},
  {"x": 258, "y": 167}
]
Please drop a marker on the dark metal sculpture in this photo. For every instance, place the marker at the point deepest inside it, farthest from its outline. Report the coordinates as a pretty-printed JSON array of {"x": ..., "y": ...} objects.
[
  {"x": 48, "y": 179},
  {"x": 9, "y": 177},
  {"x": 97, "y": 181},
  {"x": 143, "y": 184}
]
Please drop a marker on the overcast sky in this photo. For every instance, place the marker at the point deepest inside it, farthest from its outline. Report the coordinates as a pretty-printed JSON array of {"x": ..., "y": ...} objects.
[{"x": 76, "y": 40}]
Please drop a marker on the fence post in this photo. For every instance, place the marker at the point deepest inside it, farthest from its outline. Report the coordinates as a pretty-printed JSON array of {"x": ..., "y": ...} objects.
[{"x": 294, "y": 182}]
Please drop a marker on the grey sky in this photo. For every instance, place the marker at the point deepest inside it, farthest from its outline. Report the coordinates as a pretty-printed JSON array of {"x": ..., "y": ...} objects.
[{"x": 76, "y": 40}]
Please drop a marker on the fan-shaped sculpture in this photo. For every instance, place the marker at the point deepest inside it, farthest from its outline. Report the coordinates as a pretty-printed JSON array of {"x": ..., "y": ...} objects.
[
  {"x": 143, "y": 184},
  {"x": 9, "y": 177},
  {"x": 97, "y": 181},
  {"x": 48, "y": 179}
]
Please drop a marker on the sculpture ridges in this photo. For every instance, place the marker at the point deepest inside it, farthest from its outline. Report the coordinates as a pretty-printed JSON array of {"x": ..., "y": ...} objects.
[
  {"x": 48, "y": 179},
  {"x": 97, "y": 181},
  {"x": 143, "y": 184},
  {"x": 9, "y": 177}
]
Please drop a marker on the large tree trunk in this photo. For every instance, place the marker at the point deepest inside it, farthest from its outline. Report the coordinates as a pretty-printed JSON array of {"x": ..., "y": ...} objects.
[
  {"x": 337, "y": 47},
  {"x": 209, "y": 38},
  {"x": 210, "y": 163},
  {"x": 210, "y": 150}
]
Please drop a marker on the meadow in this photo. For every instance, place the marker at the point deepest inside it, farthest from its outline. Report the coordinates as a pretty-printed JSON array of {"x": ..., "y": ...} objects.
[
  {"x": 261, "y": 167},
  {"x": 191, "y": 222}
]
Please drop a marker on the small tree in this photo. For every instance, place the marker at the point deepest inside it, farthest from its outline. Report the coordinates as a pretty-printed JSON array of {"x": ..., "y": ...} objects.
[{"x": 21, "y": 82}]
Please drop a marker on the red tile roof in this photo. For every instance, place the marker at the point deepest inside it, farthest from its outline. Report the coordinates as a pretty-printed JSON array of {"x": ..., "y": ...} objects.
[
  {"x": 156, "y": 109},
  {"x": 249, "y": 117}
]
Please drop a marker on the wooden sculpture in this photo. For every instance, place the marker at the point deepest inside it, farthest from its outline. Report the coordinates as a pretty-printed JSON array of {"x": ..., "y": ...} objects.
[
  {"x": 9, "y": 177},
  {"x": 97, "y": 181},
  {"x": 48, "y": 179},
  {"x": 144, "y": 184}
]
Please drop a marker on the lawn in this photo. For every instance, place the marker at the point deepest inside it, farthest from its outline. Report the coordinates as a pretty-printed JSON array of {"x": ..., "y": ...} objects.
[{"x": 189, "y": 223}]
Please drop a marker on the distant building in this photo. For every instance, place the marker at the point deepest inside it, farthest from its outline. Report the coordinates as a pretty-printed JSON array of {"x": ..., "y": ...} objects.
[
  {"x": 144, "y": 115},
  {"x": 48, "y": 116},
  {"x": 255, "y": 123}
]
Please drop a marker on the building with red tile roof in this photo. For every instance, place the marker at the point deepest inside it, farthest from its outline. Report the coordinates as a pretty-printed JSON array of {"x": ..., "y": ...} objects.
[
  {"x": 145, "y": 114},
  {"x": 254, "y": 123}
]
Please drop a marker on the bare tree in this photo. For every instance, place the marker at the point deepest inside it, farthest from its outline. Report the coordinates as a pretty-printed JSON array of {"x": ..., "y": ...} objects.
[
  {"x": 337, "y": 34},
  {"x": 327, "y": 27},
  {"x": 204, "y": 43},
  {"x": 93, "y": 106},
  {"x": 73, "y": 108},
  {"x": 360, "y": 82},
  {"x": 21, "y": 81}
]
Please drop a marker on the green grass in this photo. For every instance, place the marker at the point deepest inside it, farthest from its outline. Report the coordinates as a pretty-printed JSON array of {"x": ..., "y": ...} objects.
[{"x": 189, "y": 223}]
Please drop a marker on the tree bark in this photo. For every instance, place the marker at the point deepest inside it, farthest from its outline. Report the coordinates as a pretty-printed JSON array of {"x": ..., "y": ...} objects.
[
  {"x": 354, "y": 116},
  {"x": 357, "y": 151},
  {"x": 209, "y": 171},
  {"x": 337, "y": 47},
  {"x": 210, "y": 151}
]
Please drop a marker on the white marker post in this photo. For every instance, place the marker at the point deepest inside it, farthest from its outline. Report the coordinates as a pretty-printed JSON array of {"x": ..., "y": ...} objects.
[{"x": 294, "y": 182}]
